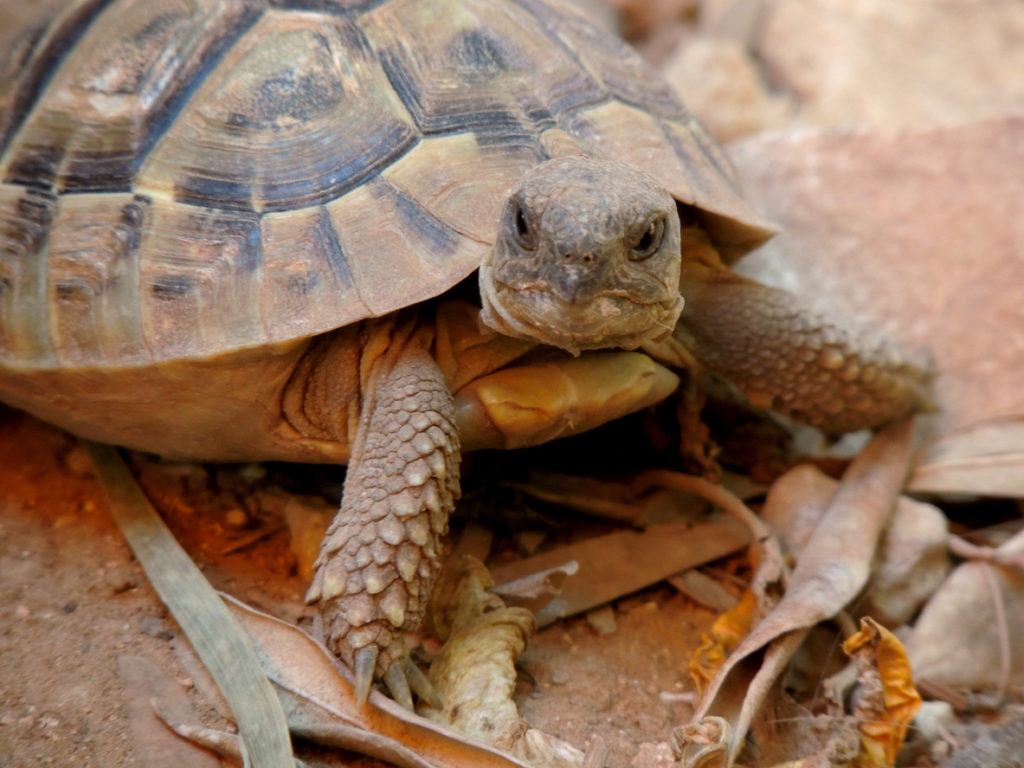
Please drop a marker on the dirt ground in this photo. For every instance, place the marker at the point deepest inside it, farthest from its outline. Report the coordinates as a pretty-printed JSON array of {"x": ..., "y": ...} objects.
[{"x": 73, "y": 600}]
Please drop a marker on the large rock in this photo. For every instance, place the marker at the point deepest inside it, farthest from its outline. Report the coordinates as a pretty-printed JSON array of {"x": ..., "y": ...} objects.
[
  {"x": 919, "y": 232},
  {"x": 748, "y": 65},
  {"x": 720, "y": 81},
  {"x": 893, "y": 64}
]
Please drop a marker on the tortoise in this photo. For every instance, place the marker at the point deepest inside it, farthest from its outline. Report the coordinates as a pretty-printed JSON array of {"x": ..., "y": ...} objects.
[{"x": 242, "y": 230}]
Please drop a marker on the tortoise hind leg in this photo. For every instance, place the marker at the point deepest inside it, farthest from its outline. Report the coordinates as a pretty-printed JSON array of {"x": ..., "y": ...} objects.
[{"x": 378, "y": 560}]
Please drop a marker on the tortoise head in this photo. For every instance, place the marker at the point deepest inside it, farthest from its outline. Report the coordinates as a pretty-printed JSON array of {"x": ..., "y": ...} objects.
[{"x": 587, "y": 256}]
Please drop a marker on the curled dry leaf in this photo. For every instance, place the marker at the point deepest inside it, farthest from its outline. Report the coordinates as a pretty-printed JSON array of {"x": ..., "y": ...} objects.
[
  {"x": 725, "y": 635},
  {"x": 885, "y": 700},
  {"x": 912, "y": 558},
  {"x": 707, "y": 741}
]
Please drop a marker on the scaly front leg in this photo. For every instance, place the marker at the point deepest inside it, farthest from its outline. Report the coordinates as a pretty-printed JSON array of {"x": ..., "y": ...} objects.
[
  {"x": 788, "y": 359},
  {"x": 379, "y": 557}
]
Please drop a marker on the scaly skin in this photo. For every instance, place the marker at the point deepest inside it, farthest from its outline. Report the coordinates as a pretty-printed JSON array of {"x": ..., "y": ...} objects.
[
  {"x": 786, "y": 358},
  {"x": 379, "y": 557}
]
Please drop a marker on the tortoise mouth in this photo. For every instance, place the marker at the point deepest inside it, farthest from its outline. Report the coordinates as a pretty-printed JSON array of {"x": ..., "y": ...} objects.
[{"x": 610, "y": 319}]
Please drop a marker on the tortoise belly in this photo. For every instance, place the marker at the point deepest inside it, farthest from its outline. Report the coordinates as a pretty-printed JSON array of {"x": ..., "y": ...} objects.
[{"x": 223, "y": 409}]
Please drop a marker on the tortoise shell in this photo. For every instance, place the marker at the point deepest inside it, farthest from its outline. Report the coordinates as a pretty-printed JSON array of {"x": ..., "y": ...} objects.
[{"x": 180, "y": 179}]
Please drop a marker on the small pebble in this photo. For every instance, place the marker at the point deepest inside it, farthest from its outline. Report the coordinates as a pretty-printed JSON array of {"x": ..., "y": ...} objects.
[
  {"x": 156, "y": 627},
  {"x": 933, "y": 719},
  {"x": 119, "y": 579},
  {"x": 236, "y": 518},
  {"x": 78, "y": 462},
  {"x": 602, "y": 620},
  {"x": 680, "y": 697},
  {"x": 530, "y": 541}
]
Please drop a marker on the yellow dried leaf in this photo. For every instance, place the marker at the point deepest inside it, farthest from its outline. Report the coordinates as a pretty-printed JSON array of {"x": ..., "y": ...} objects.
[
  {"x": 884, "y": 713},
  {"x": 725, "y": 635}
]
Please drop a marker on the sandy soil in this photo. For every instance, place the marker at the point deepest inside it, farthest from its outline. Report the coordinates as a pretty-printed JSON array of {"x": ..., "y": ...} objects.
[{"x": 73, "y": 600}]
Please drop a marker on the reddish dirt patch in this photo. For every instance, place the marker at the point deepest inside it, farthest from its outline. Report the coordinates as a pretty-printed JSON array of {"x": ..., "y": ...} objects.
[{"x": 72, "y": 600}]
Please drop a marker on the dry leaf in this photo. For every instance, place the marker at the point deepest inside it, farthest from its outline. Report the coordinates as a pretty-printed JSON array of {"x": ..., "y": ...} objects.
[
  {"x": 321, "y": 704},
  {"x": 985, "y": 458},
  {"x": 887, "y": 700},
  {"x": 483, "y": 639},
  {"x": 146, "y": 685},
  {"x": 625, "y": 561},
  {"x": 203, "y": 618},
  {"x": 725, "y": 635},
  {"x": 946, "y": 646},
  {"x": 227, "y": 745},
  {"x": 833, "y": 568},
  {"x": 475, "y": 672},
  {"x": 912, "y": 558}
]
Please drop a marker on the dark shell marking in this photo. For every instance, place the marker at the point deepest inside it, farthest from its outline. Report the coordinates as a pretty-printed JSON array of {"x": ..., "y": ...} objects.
[{"x": 183, "y": 178}]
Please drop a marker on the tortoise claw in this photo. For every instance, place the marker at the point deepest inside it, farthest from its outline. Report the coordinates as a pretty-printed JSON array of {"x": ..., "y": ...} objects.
[
  {"x": 420, "y": 685},
  {"x": 395, "y": 680},
  {"x": 365, "y": 664},
  {"x": 403, "y": 678}
]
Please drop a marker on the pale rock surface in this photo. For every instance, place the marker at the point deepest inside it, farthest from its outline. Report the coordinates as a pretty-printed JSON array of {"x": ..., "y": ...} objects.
[
  {"x": 892, "y": 64},
  {"x": 919, "y": 233},
  {"x": 749, "y": 64},
  {"x": 718, "y": 79}
]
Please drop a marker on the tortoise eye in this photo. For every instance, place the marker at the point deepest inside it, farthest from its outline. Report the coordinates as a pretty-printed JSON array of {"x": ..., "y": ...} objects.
[
  {"x": 649, "y": 240},
  {"x": 522, "y": 229}
]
